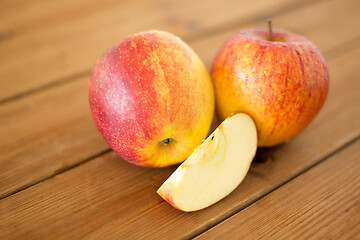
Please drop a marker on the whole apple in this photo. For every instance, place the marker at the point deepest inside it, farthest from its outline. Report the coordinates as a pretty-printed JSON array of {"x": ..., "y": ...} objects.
[
  {"x": 151, "y": 99},
  {"x": 281, "y": 83}
]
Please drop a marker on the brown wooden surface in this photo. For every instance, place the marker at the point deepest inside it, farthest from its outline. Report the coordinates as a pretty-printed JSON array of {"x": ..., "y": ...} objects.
[
  {"x": 58, "y": 179},
  {"x": 322, "y": 203},
  {"x": 67, "y": 38},
  {"x": 27, "y": 148}
]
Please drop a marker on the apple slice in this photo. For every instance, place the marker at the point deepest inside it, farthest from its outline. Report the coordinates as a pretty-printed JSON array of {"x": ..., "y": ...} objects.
[{"x": 215, "y": 168}]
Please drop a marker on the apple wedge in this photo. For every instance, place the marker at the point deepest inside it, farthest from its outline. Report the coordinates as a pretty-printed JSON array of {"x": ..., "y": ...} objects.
[{"x": 215, "y": 168}]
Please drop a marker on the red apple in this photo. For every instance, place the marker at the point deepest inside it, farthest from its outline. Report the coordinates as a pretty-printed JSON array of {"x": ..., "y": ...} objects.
[
  {"x": 281, "y": 83},
  {"x": 151, "y": 99}
]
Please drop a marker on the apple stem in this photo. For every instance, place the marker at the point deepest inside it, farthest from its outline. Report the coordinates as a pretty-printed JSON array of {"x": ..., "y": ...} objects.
[{"x": 270, "y": 30}]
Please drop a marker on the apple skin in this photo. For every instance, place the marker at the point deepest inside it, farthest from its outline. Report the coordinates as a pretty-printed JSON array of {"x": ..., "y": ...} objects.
[
  {"x": 147, "y": 88},
  {"x": 165, "y": 192},
  {"x": 282, "y": 84},
  {"x": 215, "y": 168}
]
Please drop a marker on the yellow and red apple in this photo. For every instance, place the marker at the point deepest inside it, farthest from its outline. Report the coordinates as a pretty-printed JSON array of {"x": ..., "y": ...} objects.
[
  {"x": 151, "y": 99},
  {"x": 281, "y": 83}
]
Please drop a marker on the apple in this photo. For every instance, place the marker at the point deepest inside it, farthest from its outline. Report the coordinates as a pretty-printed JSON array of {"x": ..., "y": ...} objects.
[
  {"x": 151, "y": 99},
  {"x": 281, "y": 82},
  {"x": 215, "y": 168}
]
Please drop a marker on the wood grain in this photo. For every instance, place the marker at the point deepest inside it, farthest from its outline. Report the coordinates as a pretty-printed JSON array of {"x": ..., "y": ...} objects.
[
  {"x": 328, "y": 24},
  {"x": 108, "y": 198},
  {"x": 323, "y": 203},
  {"x": 45, "y": 134},
  {"x": 51, "y": 41},
  {"x": 63, "y": 135}
]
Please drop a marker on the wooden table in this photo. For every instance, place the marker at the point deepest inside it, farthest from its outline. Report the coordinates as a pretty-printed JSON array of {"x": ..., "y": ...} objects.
[{"x": 59, "y": 180}]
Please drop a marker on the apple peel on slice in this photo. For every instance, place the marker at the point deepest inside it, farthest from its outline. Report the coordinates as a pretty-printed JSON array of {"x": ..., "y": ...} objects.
[{"x": 215, "y": 168}]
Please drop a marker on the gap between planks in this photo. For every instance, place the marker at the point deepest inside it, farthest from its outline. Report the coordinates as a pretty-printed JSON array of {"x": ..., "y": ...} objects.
[
  {"x": 45, "y": 87},
  {"x": 59, "y": 172}
]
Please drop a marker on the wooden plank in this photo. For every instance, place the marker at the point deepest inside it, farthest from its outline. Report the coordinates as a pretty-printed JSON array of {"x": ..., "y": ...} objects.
[
  {"x": 22, "y": 17},
  {"x": 325, "y": 23},
  {"x": 185, "y": 16},
  {"x": 57, "y": 140},
  {"x": 323, "y": 203},
  {"x": 110, "y": 198},
  {"x": 49, "y": 41},
  {"x": 49, "y": 132}
]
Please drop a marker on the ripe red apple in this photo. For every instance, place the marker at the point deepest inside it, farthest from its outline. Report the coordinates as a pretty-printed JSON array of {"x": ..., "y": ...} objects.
[
  {"x": 151, "y": 99},
  {"x": 281, "y": 83}
]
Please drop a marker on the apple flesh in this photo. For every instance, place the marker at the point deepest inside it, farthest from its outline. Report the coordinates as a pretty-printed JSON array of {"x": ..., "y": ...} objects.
[
  {"x": 282, "y": 84},
  {"x": 215, "y": 168},
  {"x": 151, "y": 99}
]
